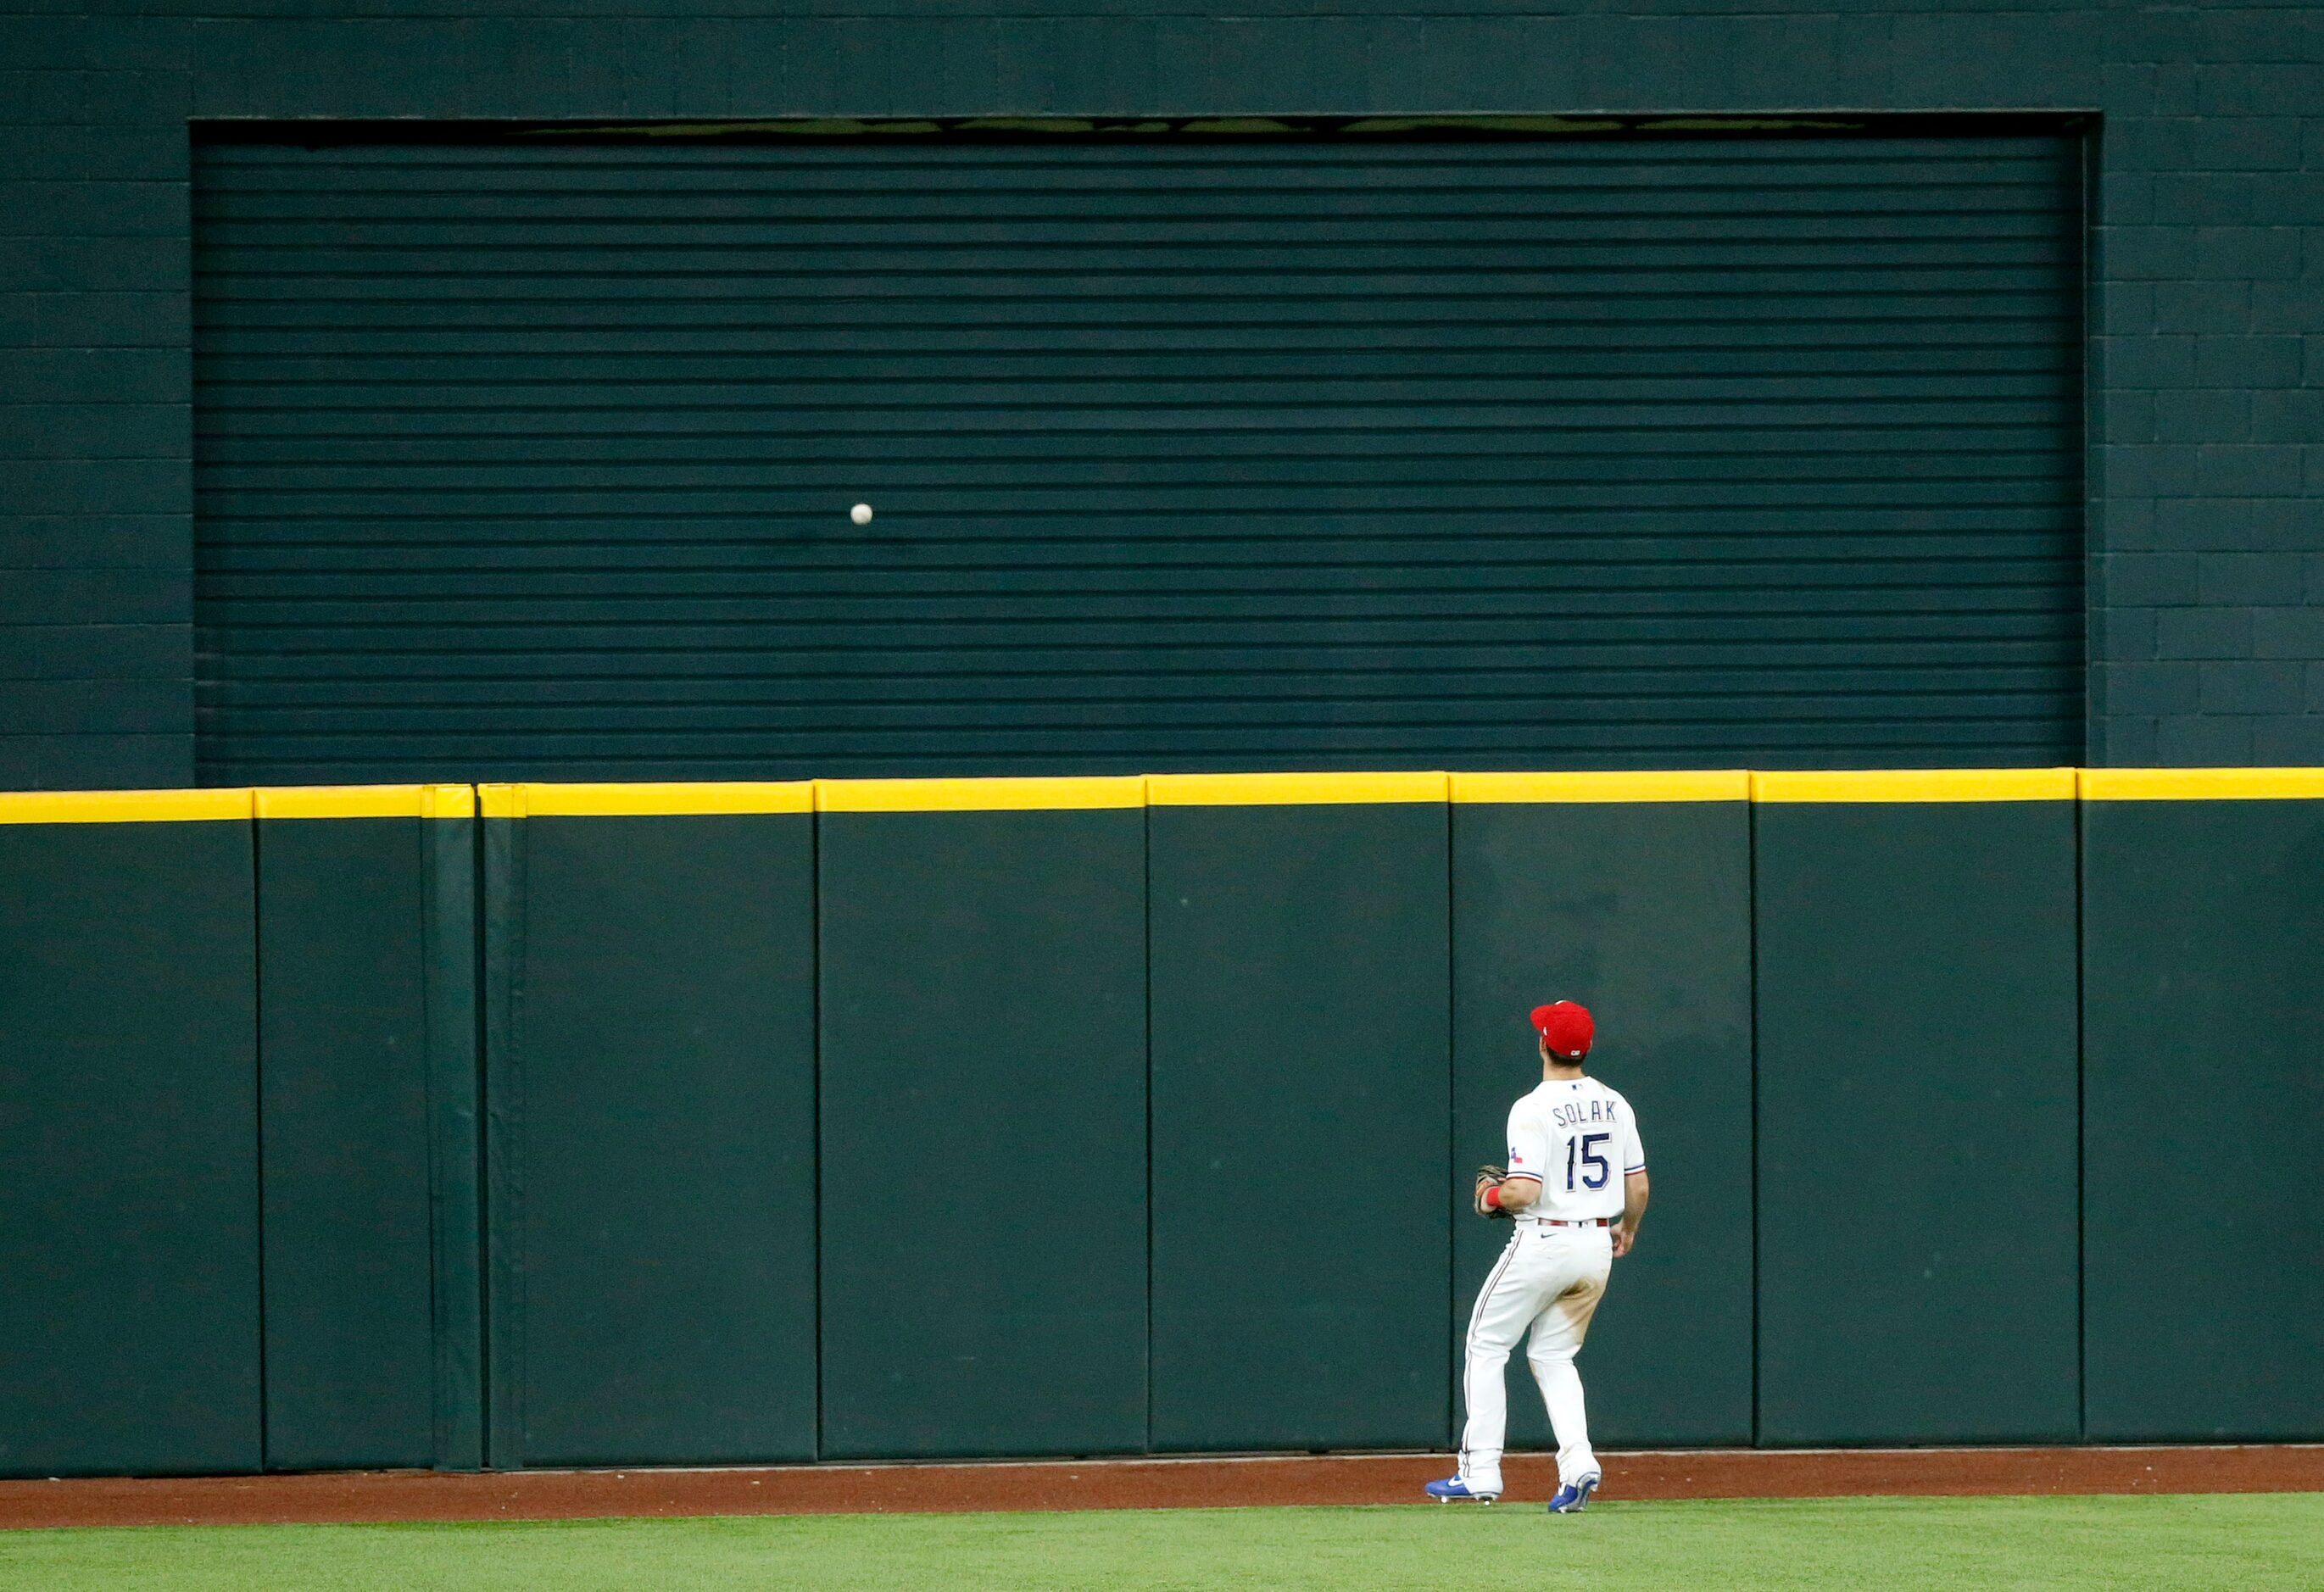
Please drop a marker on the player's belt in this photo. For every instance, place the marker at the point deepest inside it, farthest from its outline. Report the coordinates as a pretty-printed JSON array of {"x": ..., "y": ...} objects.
[{"x": 1550, "y": 1221}]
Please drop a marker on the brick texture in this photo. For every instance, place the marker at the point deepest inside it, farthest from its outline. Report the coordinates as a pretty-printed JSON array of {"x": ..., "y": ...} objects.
[{"x": 2207, "y": 392}]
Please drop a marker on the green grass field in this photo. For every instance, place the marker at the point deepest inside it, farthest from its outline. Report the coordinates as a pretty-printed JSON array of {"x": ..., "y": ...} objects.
[{"x": 2168, "y": 1544}]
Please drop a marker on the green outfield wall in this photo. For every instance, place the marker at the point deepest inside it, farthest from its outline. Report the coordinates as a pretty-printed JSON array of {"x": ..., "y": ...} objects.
[
  {"x": 544, "y": 1125},
  {"x": 2203, "y": 1105},
  {"x": 649, "y": 1094},
  {"x": 129, "y": 1176},
  {"x": 1915, "y": 1024},
  {"x": 367, "y": 1126},
  {"x": 1301, "y": 1108},
  {"x": 983, "y": 1075},
  {"x": 1632, "y": 893}
]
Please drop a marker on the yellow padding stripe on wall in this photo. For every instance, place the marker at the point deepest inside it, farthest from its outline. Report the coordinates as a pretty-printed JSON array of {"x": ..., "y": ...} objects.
[
  {"x": 125, "y": 807},
  {"x": 1726, "y": 785},
  {"x": 1257, "y": 790},
  {"x": 366, "y": 801},
  {"x": 447, "y": 801},
  {"x": 2180, "y": 785},
  {"x": 694, "y": 799},
  {"x": 646, "y": 800},
  {"x": 922, "y": 796},
  {"x": 977, "y": 796},
  {"x": 1917, "y": 784}
]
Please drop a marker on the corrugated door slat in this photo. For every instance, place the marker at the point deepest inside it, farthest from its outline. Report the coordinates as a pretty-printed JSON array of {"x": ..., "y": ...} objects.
[{"x": 524, "y": 460}]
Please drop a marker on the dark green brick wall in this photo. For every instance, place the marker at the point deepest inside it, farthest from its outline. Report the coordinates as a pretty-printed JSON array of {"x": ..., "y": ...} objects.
[{"x": 2207, "y": 398}]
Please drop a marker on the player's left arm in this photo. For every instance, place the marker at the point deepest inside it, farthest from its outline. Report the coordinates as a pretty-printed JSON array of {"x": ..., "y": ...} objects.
[
  {"x": 1634, "y": 1183},
  {"x": 1634, "y": 1211}
]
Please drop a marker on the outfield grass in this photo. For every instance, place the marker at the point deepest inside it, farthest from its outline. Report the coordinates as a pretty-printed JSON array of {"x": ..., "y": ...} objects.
[{"x": 2167, "y": 1544}]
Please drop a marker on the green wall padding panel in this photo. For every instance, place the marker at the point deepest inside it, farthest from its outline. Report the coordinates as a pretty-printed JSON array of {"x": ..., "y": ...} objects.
[
  {"x": 1301, "y": 1127},
  {"x": 343, "y": 1045},
  {"x": 368, "y": 1096},
  {"x": 983, "y": 1075},
  {"x": 451, "y": 897},
  {"x": 650, "y": 1078},
  {"x": 129, "y": 1247},
  {"x": 1642, "y": 912},
  {"x": 2203, "y": 1119},
  {"x": 1917, "y": 1037}
]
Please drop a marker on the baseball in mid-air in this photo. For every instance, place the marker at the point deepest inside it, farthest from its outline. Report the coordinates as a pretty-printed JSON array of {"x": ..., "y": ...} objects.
[{"x": 861, "y": 513}]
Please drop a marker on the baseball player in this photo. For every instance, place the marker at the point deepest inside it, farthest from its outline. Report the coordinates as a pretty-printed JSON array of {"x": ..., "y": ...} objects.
[{"x": 1575, "y": 1189}]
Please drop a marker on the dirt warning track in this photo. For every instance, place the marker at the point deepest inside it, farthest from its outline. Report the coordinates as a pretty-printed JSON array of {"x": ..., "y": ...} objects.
[{"x": 355, "y": 1497}]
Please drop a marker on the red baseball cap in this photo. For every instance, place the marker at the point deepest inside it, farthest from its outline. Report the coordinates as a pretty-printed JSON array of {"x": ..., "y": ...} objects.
[{"x": 1565, "y": 1028}]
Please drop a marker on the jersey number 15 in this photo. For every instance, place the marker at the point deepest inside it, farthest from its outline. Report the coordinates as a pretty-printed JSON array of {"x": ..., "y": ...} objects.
[{"x": 1586, "y": 1147}]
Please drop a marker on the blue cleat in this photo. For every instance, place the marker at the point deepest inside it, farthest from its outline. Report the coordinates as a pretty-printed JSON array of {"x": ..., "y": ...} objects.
[
  {"x": 1453, "y": 1490},
  {"x": 1571, "y": 1497}
]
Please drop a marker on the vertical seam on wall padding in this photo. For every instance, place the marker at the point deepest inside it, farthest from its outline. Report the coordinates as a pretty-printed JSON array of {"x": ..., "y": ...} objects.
[
  {"x": 440, "y": 1349},
  {"x": 519, "y": 916},
  {"x": 1751, "y": 923},
  {"x": 479, "y": 1234},
  {"x": 439, "y": 1306},
  {"x": 451, "y": 1062},
  {"x": 258, "y": 1126},
  {"x": 491, "y": 949},
  {"x": 814, "y": 1098},
  {"x": 480, "y": 975},
  {"x": 2081, "y": 1061},
  {"x": 1146, "y": 936},
  {"x": 1452, "y": 1411},
  {"x": 504, "y": 1078},
  {"x": 480, "y": 1027}
]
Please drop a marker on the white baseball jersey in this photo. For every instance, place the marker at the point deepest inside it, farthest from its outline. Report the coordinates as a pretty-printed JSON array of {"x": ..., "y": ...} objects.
[{"x": 1579, "y": 1137}]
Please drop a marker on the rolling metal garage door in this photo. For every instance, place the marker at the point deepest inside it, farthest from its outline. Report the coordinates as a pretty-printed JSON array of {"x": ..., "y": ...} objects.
[{"x": 534, "y": 457}]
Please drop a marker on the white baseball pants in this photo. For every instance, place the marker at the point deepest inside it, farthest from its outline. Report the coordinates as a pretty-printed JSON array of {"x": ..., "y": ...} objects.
[{"x": 1548, "y": 1282}]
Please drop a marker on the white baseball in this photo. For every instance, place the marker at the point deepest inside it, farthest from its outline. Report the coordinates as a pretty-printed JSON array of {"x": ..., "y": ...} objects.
[{"x": 861, "y": 513}]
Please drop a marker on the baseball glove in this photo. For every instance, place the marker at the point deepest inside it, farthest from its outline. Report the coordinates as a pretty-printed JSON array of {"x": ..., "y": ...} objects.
[{"x": 1488, "y": 1177}]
